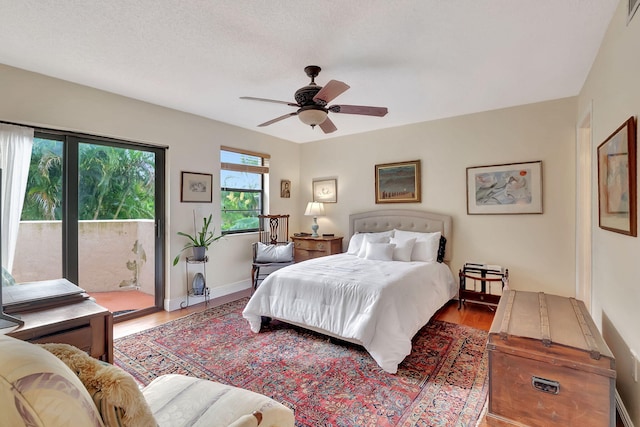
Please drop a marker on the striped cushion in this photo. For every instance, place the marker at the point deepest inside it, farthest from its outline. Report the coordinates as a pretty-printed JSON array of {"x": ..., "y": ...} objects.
[{"x": 36, "y": 388}]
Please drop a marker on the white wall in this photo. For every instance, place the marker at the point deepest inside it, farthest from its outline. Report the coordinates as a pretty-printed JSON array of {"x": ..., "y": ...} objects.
[
  {"x": 537, "y": 249},
  {"x": 613, "y": 85},
  {"x": 194, "y": 145}
]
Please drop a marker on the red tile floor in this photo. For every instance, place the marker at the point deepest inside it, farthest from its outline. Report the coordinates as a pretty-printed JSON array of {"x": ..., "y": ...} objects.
[{"x": 120, "y": 301}]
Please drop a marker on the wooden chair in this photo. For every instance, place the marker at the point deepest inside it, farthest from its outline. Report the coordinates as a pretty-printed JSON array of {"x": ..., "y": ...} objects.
[{"x": 274, "y": 232}]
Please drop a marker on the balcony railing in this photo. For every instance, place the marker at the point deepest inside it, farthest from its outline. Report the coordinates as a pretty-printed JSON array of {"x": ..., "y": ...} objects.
[{"x": 114, "y": 256}]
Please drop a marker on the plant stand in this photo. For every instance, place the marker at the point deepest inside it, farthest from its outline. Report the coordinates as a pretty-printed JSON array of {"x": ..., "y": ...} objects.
[{"x": 205, "y": 292}]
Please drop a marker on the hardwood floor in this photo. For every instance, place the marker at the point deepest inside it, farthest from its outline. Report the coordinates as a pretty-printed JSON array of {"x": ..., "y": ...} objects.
[
  {"x": 477, "y": 316},
  {"x": 127, "y": 327}
]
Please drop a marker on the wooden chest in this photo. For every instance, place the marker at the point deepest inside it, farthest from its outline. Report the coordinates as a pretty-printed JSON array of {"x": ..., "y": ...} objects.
[{"x": 548, "y": 364}]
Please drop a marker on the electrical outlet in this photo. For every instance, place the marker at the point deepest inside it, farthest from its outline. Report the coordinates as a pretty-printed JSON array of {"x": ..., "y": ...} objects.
[{"x": 634, "y": 365}]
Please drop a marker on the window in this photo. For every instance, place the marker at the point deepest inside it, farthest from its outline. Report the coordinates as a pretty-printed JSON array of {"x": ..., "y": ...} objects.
[{"x": 242, "y": 176}]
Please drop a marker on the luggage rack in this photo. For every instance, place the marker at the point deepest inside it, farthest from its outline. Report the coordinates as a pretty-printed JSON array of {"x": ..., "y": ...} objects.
[{"x": 483, "y": 276}]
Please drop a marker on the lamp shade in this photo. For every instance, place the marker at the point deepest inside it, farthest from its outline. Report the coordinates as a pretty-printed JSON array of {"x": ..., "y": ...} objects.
[
  {"x": 314, "y": 209},
  {"x": 312, "y": 117}
]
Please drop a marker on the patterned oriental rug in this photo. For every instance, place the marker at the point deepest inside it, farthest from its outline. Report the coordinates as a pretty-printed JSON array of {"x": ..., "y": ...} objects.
[{"x": 443, "y": 382}]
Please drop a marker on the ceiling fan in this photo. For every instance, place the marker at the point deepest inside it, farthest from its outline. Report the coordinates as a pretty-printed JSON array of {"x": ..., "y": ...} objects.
[{"x": 312, "y": 100}]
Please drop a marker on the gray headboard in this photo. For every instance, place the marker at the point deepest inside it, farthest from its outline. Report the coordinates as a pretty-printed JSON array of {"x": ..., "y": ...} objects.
[{"x": 401, "y": 219}]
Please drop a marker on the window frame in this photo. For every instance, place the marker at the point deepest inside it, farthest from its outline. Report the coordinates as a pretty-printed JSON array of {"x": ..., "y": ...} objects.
[{"x": 238, "y": 167}]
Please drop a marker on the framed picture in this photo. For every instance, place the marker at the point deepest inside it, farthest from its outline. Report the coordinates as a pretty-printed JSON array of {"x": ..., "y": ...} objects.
[
  {"x": 617, "y": 180},
  {"x": 398, "y": 182},
  {"x": 512, "y": 188},
  {"x": 285, "y": 188},
  {"x": 325, "y": 190},
  {"x": 196, "y": 187}
]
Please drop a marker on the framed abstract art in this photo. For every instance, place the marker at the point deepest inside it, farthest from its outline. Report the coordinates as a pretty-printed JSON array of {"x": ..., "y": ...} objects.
[
  {"x": 617, "y": 180},
  {"x": 512, "y": 188}
]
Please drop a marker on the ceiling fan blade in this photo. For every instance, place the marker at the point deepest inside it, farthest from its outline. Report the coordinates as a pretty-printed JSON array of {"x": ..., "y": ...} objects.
[
  {"x": 359, "y": 109},
  {"x": 327, "y": 126},
  {"x": 277, "y": 119},
  {"x": 330, "y": 91},
  {"x": 251, "y": 98}
]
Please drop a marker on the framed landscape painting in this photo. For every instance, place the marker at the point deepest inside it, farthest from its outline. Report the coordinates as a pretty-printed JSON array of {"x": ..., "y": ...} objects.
[
  {"x": 196, "y": 187},
  {"x": 512, "y": 188},
  {"x": 398, "y": 182},
  {"x": 617, "y": 180}
]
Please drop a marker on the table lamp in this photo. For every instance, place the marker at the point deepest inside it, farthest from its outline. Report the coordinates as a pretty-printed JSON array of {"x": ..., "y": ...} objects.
[{"x": 314, "y": 209}]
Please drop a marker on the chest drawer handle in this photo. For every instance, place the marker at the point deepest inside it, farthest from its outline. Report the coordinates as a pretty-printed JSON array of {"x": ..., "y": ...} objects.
[
  {"x": 546, "y": 386},
  {"x": 320, "y": 246}
]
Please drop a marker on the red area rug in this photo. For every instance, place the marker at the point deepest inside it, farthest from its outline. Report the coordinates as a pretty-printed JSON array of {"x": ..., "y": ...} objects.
[{"x": 327, "y": 383}]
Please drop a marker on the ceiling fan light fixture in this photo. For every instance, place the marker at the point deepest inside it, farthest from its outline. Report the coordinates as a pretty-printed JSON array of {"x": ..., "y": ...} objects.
[
  {"x": 312, "y": 101},
  {"x": 312, "y": 117}
]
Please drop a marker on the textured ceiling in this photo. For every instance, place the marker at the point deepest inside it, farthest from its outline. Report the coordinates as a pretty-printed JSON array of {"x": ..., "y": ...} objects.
[{"x": 423, "y": 59}]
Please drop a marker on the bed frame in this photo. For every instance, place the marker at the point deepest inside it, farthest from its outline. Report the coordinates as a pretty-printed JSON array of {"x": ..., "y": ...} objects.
[{"x": 401, "y": 219}]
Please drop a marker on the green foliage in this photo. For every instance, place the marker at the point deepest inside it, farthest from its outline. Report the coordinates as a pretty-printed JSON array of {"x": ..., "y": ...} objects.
[
  {"x": 203, "y": 238},
  {"x": 43, "y": 197},
  {"x": 240, "y": 210},
  {"x": 114, "y": 183}
]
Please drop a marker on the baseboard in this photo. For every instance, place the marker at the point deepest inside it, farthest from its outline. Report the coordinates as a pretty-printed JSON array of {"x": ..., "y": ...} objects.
[
  {"x": 217, "y": 292},
  {"x": 622, "y": 411}
]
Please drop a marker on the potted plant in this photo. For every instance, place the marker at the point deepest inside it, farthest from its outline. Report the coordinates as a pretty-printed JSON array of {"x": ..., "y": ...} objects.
[{"x": 199, "y": 241}]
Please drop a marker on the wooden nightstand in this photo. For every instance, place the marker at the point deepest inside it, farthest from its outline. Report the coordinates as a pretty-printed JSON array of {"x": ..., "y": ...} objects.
[{"x": 315, "y": 247}]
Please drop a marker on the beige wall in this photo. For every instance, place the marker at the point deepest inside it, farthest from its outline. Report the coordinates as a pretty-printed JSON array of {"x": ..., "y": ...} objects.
[
  {"x": 193, "y": 142},
  {"x": 446, "y": 147},
  {"x": 537, "y": 249},
  {"x": 613, "y": 88}
]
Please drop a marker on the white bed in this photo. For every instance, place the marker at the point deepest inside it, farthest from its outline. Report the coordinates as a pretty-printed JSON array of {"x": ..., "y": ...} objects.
[{"x": 380, "y": 305}]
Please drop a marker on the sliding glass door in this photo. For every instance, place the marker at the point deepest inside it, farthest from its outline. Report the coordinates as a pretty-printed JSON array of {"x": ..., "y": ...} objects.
[{"x": 98, "y": 204}]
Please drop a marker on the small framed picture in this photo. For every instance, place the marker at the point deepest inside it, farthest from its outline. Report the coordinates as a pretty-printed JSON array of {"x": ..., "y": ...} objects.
[
  {"x": 325, "y": 190},
  {"x": 513, "y": 188},
  {"x": 617, "y": 180},
  {"x": 196, "y": 187},
  {"x": 398, "y": 182},
  {"x": 285, "y": 188}
]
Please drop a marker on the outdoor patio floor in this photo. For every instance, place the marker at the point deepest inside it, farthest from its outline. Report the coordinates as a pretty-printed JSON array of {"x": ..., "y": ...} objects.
[{"x": 123, "y": 301}]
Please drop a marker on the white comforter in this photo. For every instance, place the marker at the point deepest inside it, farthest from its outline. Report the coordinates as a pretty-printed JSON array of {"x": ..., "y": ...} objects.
[{"x": 379, "y": 304}]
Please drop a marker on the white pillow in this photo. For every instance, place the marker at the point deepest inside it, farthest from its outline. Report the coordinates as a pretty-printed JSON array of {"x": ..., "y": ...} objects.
[
  {"x": 379, "y": 251},
  {"x": 426, "y": 246},
  {"x": 355, "y": 243},
  {"x": 373, "y": 238},
  {"x": 403, "y": 249},
  {"x": 274, "y": 253}
]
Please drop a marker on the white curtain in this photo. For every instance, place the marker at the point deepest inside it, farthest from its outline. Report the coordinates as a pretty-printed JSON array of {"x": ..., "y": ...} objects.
[{"x": 16, "y": 143}]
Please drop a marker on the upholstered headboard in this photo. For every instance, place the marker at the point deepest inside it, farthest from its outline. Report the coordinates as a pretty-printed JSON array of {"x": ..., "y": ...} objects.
[{"x": 401, "y": 219}]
